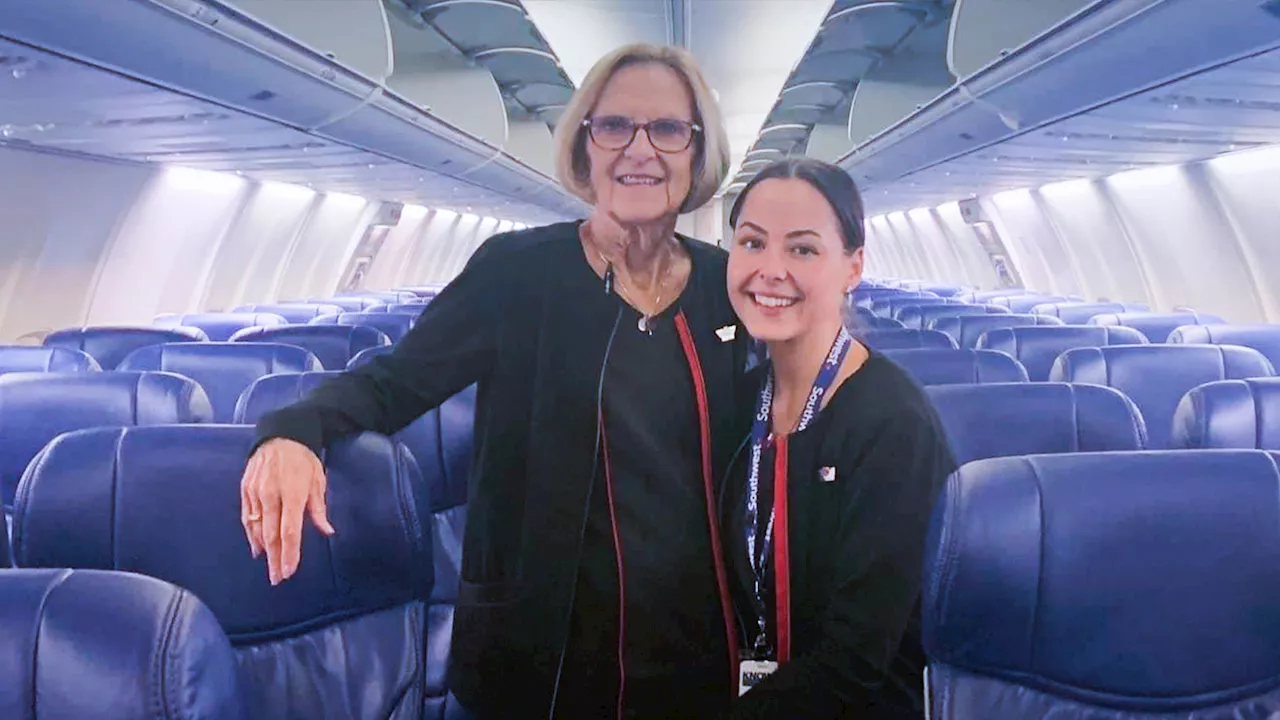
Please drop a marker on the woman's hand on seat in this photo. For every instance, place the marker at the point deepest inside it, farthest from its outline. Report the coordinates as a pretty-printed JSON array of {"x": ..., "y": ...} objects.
[{"x": 283, "y": 480}]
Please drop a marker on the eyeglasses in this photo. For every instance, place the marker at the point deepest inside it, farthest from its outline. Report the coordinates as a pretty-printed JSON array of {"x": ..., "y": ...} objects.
[{"x": 615, "y": 132}]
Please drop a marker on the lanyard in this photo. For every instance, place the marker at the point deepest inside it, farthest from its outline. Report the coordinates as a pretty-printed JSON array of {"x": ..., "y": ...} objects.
[{"x": 760, "y": 435}]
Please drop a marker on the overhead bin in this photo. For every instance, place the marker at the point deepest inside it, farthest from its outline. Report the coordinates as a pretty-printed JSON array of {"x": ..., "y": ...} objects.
[
  {"x": 900, "y": 85},
  {"x": 1103, "y": 53},
  {"x": 983, "y": 31},
  {"x": 211, "y": 50}
]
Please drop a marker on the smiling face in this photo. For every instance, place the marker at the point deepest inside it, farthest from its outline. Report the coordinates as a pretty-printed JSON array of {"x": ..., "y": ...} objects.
[
  {"x": 640, "y": 183},
  {"x": 788, "y": 268}
]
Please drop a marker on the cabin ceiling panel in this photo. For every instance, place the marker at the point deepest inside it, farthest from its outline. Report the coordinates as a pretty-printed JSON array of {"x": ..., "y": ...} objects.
[
  {"x": 52, "y": 104},
  {"x": 1233, "y": 107},
  {"x": 853, "y": 39}
]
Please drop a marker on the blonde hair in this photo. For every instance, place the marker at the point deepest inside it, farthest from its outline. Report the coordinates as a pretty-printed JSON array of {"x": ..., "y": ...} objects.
[{"x": 710, "y": 147}]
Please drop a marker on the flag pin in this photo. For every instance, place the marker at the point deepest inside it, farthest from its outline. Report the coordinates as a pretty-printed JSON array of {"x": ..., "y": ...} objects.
[
  {"x": 827, "y": 474},
  {"x": 727, "y": 333}
]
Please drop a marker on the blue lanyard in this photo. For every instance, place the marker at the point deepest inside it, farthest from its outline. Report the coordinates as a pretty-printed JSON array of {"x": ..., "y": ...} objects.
[{"x": 759, "y": 437}]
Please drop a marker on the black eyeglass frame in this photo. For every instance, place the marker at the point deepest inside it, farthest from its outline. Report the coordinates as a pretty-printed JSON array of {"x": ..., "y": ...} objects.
[{"x": 694, "y": 130}]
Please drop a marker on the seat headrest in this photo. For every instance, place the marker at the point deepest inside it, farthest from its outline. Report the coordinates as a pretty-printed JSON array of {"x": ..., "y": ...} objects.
[
  {"x": 28, "y": 358},
  {"x": 1229, "y": 414},
  {"x": 1136, "y": 581},
  {"x": 967, "y": 330},
  {"x": 1156, "y": 377},
  {"x": 293, "y": 312},
  {"x": 334, "y": 345},
  {"x": 414, "y": 308},
  {"x": 1025, "y": 303},
  {"x": 904, "y": 338},
  {"x": 110, "y": 646},
  {"x": 348, "y": 304},
  {"x": 220, "y": 326},
  {"x": 894, "y": 307},
  {"x": 1263, "y": 338},
  {"x": 224, "y": 369},
  {"x": 1156, "y": 326},
  {"x": 1000, "y": 419},
  {"x": 1076, "y": 313},
  {"x": 273, "y": 392},
  {"x": 921, "y": 316},
  {"x": 37, "y": 407},
  {"x": 942, "y": 366},
  {"x": 110, "y": 345},
  {"x": 387, "y": 297},
  {"x": 165, "y": 501},
  {"x": 395, "y": 325},
  {"x": 1038, "y": 346}
]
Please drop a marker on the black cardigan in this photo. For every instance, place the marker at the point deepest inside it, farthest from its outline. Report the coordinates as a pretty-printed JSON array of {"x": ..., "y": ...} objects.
[
  {"x": 514, "y": 323},
  {"x": 857, "y": 550}
]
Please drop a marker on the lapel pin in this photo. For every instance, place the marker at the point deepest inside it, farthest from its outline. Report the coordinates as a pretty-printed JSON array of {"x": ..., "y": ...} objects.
[
  {"x": 827, "y": 474},
  {"x": 727, "y": 333}
]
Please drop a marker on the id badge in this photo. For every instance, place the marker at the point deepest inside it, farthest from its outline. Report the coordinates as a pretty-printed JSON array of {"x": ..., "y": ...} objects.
[{"x": 751, "y": 672}]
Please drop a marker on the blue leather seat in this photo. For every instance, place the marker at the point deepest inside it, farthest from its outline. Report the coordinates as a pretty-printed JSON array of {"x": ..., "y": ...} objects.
[
  {"x": 967, "y": 330},
  {"x": 344, "y": 639},
  {"x": 896, "y": 306},
  {"x": 1156, "y": 326},
  {"x": 1156, "y": 377},
  {"x": 1025, "y": 303},
  {"x": 293, "y": 312},
  {"x": 942, "y": 366},
  {"x": 111, "y": 344},
  {"x": 348, "y": 304},
  {"x": 995, "y": 420},
  {"x": 414, "y": 308},
  {"x": 394, "y": 325},
  {"x": 111, "y": 646},
  {"x": 220, "y": 326},
  {"x": 1079, "y": 313},
  {"x": 1229, "y": 414},
  {"x": 1117, "y": 586},
  {"x": 334, "y": 345},
  {"x": 35, "y": 408},
  {"x": 28, "y": 358},
  {"x": 384, "y": 297},
  {"x": 1038, "y": 346},
  {"x": 921, "y": 317},
  {"x": 1263, "y": 338},
  {"x": 902, "y": 339},
  {"x": 224, "y": 369},
  {"x": 365, "y": 356}
]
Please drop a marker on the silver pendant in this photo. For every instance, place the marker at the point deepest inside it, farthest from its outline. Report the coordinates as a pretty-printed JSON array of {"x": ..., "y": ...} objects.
[{"x": 643, "y": 325}]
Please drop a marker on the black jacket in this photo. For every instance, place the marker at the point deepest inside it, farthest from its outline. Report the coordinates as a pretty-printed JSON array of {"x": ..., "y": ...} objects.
[
  {"x": 514, "y": 323},
  {"x": 857, "y": 539}
]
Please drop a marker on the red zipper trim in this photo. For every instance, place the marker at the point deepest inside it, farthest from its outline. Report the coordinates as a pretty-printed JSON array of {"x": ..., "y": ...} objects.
[
  {"x": 622, "y": 584},
  {"x": 781, "y": 552},
  {"x": 708, "y": 484}
]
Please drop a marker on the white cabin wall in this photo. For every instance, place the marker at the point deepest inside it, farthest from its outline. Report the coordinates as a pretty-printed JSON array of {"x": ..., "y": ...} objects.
[
  {"x": 89, "y": 242},
  {"x": 1201, "y": 235}
]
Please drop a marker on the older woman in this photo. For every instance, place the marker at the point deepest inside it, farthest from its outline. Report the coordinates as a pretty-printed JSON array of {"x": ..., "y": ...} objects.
[{"x": 608, "y": 357}]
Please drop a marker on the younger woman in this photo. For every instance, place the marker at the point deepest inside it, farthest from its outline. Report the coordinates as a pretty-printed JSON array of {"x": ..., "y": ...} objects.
[{"x": 831, "y": 493}]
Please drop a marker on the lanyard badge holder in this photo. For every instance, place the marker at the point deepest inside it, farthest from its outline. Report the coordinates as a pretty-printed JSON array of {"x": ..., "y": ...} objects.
[{"x": 761, "y": 660}]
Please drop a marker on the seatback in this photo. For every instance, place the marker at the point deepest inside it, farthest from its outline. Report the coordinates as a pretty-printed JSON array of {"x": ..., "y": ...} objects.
[
  {"x": 920, "y": 317},
  {"x": 942, "y": 366},
  {"x": 901, "y": 339},
  {"x": 899, "y": 305},
  {"x": 1229, "y": 414},
  {"x": 364, "y": 356},
  {"x": 292, "y": 312},
  {"x": 1105, "y": 586},
  {"x": 333, "y": 345},
  {"x": 111, "y": 344},
  {"x": 82, "y": 644},
  {"x": 35, "y": 408},
  {"x": 343, "y": 639},
  {"x": 220, "y": 326},
  {"x": 414, "y": 308},
  {"x": 1038, "y": 346},
  {"x": 1156, "y": 326},
  {"x": 967, "y": 330},
  {"x": 999, "y": 419},
  {"x": 348, "y": 304},
  {"x": 1156, "y": 377},
  {"x": 224, "y": 369},
  {"x": 28, "y": 358},
  {"x": 1079, "y": 313},
  {"x": 1263, "y": 338},
  {"x": 394, "y": 325},
  {"x": 389, "y": 297}
]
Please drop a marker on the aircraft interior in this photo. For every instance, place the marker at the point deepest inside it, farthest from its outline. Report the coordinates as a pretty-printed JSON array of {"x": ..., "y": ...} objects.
[{"x": 211, "y": 206}]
